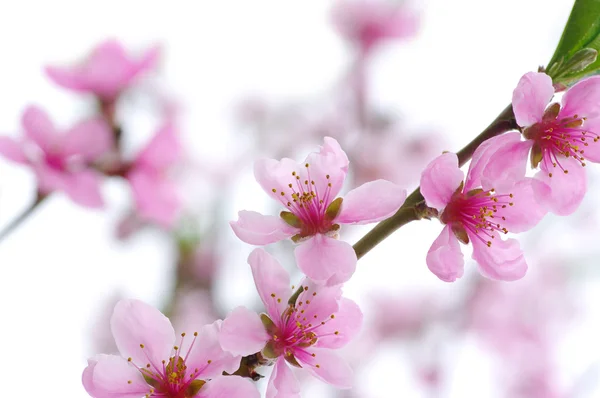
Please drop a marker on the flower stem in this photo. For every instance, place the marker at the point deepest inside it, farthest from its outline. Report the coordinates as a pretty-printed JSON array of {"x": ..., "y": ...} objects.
[
  {"x": 22, "y": 217},
  {"x": 410, "y": 209}
]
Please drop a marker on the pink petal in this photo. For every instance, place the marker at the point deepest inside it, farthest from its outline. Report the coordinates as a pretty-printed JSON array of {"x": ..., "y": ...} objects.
[
  {"x": 83, "y": 187},
  {"x": 445, "y": 258},
  {"x": 533, "y": 93},
  {"x": 566, "y": 190},
  {"x": 332, "y": 369},
  {"x": 283, "y": 383},
  {"x": 163, "y": 150},
  {"x": 136, "y": 323},
  {"x": 482, "y": 156},
  {"x": 270, "y": 279},
  {"x": 276, "y": 175},
  {"x": 228, "y": 387},
  {"x": 330, "y": 161},
  {"x": 347, "y": 323},
  {"x": 243, "y": 333},
  {"x": 503, "y": 260},
  {"x": 49, "y": 179},
  {"x": 326, "y": 260},
  {"x": 526, "y": 211},
  {"x": 583, "y": 99},
  {"x": 12, "y": 150},
  {"x": 323, "y": 304},
  {"x": 114, "y": 377},
  {"x": 592, "y": 151},
  {"x": 147, "y": 62},
  {"x": 498, "y": 163},
  {"x": 440, "y": 179},
  {"x": 90, "y": 139},
  {"x": 257, "y": 229},
  {"x": 156, "y": 198},
  {"x": 39, "y": 128},
  {"x": 207, "y": 355},
  {"x": 371, "y": 202},
  {"x": 66, "y": 77}
]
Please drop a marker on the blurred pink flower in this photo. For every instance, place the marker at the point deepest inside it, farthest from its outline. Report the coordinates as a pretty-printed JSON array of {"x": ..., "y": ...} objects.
[
  {"x": 61, "y": 160},
  {"x": 152, "y": 365},
  {"x": 193, "y": 308},
  {"x": 106, "y": 72},
  {"x": 302, "y": 334},
  {"x": 558, "y": 138},
  {"x": 369, "y": 22},
  {"x": 155, "y": 194},
  {"x": 394, "y": 156},
  {"x": 309, "y": 192},
  {"x": 471, "y": 214}
]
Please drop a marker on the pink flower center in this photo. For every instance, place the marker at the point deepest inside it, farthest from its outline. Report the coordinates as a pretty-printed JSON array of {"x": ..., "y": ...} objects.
[
  {"x": 172, "y": 378},
  {"x": 297, "y": 328},
  {"x": 55, "y": 162},
  {"x": 476, "y": 214},
  {"x": 307, "y": 204},
  {"x": 556, "y": 138}
]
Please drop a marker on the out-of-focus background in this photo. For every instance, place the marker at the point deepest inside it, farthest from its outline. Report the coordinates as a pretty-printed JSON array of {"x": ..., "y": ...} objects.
[{"x": 271, "y": 78}]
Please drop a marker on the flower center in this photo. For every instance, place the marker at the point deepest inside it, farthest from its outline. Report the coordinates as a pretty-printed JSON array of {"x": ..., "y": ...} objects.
[
  {"x": 477, "y": 213},
  {"x": 556, "y": 138},
  {"x": 55, "y": 162},
  {"x": 172, "y": 378},
  {"x": 296, "y": 329},
  {"x": 308, "y": 207}
]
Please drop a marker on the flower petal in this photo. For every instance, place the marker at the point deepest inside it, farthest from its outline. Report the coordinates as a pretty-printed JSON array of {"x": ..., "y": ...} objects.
[
  {"x": 318, "y": 302},
  {"x": 526, "y": 212},
  {"x": 39, "y": 128},
  {"x": 503, "y": 260},
  {"x": 329, "y": 165},
  {"x": 533, "y": 93},
  {"x": 566, "y": 190},
  {"x": 283, "y": 382},
  {"x": 207, "y": 355},
  {"x": 371, "y": 202},
  {"x": 243, "y": 333},
  {"x": 326, "y": 260},
  {"x": 482, "y": 156},
  {"x": 90, "y": 139},
  {"x": 276, "y": 175},
  {"x": 271, "y": 279},
  {"x": 83, "y": 187},
  {"x": 583, "y": 99},
  {"x": 135, "y": 324},
  {"x": 339, "y": 331},
  {"x": 228, "y": 387},
  {"x": 110, "y": 376},
  {"x": 66, "y": 77},
  {"x": 257, "y": 229},
  {"x": 163, "y": 150},
  {"x": 12, "y": 150},
  {"x": 445, "y": 258},
  {"x": 328, "y": 366},
  {"x": 156, "y": 198},
  {"x": 440, "y": 179}
]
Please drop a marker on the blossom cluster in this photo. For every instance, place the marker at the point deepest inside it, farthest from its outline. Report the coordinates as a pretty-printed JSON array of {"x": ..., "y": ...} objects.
[
  {"x": 304, "y": 323},
  {"x": 301, "y": 327}
]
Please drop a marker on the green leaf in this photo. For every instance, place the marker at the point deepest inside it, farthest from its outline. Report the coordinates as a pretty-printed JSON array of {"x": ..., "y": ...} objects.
[{"x": 577, "y": 52}]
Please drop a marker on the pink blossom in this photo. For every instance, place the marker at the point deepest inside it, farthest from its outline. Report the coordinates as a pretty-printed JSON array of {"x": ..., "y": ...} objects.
[
  {"x": 106, "y": 72},
  {"x": 369, "y": 22},
  {"x": 302, "y": 334},
  {"x": 155, "y": 194},
  {"x": 558, "y": 140},
  {"x": 308, "y": 191},
  {"x": 154, "y": 363},
  {"x": 478, "y": 216},
  {"x": 62, "y": 161}
]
